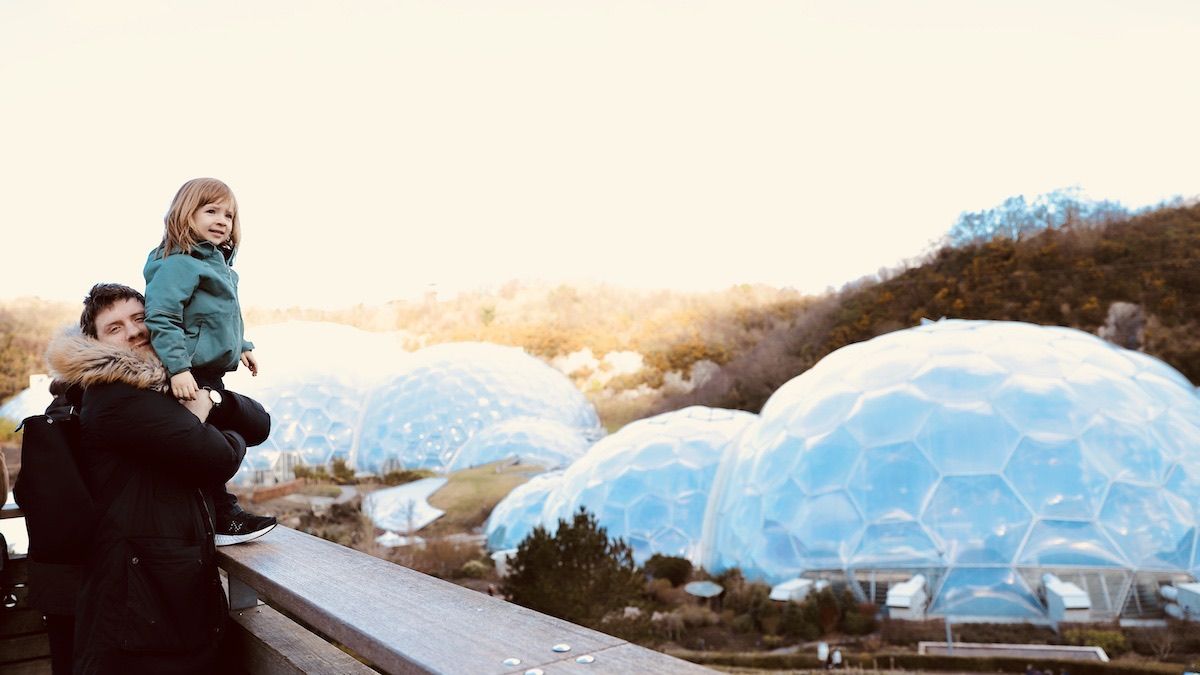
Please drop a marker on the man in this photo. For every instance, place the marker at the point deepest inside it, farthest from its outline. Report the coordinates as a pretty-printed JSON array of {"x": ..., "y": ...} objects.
[
  {"x": 151, "y": 600},
  {"x": 115, "y": 315}
]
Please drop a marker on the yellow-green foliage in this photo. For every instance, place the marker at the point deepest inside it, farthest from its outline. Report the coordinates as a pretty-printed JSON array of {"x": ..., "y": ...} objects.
[{"x": 8, "y": 433}]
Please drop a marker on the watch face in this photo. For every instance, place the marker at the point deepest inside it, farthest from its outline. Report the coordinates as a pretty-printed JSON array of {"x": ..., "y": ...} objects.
[{"x": 214, "y": 396}]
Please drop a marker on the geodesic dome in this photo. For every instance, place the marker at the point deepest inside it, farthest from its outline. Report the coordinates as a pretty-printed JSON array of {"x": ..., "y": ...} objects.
[
  {"x": 529, "y": 440},
  {"x": 649, "y": 482},
  {"x": 980, "y": 453},
  {"x": 447, "y": 393},
  {"x": 520, "y": 511}
]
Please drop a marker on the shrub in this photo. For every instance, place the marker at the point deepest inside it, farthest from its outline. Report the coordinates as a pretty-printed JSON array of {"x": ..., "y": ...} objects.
[
  {"x": 859, "y": 618},
  {"x": 442, "y": 558},
  {"x": 343, "y": 474},
  {"x": 1111, "y": 641},
  {"x": 315, "y": 473},
  {"x": 696, "y": 615},
  {"x": 577, "y": 574},
  {"x": 473, "y": 569},
  {"x": 798, "y": 623},
  {"x": 405, "y": 476},
  {"x": 675, "y": 569}
]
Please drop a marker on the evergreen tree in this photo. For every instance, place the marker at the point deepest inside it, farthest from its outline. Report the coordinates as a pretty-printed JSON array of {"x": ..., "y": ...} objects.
[{"x": 577, "y": 574}]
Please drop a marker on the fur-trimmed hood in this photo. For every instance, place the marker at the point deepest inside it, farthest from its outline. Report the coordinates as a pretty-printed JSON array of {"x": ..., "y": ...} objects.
[{"x": 76, "y": 359}]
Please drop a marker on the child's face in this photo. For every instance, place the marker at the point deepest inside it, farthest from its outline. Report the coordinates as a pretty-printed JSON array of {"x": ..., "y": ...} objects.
[{"x": 214, "y": 222}]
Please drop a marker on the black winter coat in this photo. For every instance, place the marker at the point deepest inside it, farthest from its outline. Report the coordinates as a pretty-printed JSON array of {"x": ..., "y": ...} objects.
[{"x": 151, "y": 599}]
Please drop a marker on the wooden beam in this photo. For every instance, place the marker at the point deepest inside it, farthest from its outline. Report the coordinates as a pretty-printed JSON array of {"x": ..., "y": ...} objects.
[
  {"x": 407, "y": 622},
  {"x": 265, "y": 642}
]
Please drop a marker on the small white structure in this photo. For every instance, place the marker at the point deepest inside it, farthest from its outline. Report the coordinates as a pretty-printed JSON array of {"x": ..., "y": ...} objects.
[
  {"x": 390, "y": 539},
  {"x": 1184, "y": 601},
  {"x": 1066, "y": 602},
  {"x": 906, "y": 600},
  {"x": 404, "y": 508},
  {"x": 704, "y": 589},
  {"x": 500, "y": 560},
  {"x": 796, "y": 590}
]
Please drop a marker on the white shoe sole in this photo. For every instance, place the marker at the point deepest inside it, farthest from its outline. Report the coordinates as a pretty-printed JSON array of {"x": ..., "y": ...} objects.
[{"x": 231, "y": 539}]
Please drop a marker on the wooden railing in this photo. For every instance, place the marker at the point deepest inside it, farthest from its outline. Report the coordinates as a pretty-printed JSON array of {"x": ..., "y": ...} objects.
[
  {"x": 401, "y": 621},
  {"x": 394, "y": 619}
]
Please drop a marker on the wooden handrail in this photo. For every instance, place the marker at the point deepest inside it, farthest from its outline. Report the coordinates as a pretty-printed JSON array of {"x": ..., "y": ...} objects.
[{"x": 402, "y": 621}]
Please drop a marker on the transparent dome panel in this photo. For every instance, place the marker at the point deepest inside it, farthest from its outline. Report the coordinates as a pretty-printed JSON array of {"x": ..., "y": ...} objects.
[
  {"x": 1152, "y": 527},
  {"x": 892, "y": 482},
  {"x": 978, "y": 519},
  {"x": 968, "y": 439},
  {"x": 1069, "y": 543},
  {"x": 1056, "y": 479},
  {"x": 986, "y": 592},
  {"x": 901, "y": 544}
]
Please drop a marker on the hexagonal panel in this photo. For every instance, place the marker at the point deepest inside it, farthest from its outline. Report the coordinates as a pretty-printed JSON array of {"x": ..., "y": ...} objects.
[
  {"x": 825, "y": 530},
  {"x": 889, "y": 416},
  {"x": 826, "y": 462},
  {"x": 1117, "y": 396},
  {"x": 1124, "y": 451},
  {"x": 1069, "y": 543},
  {"x": 819, "y": 414},
  {"x": 1150, "y": 526},
  {"x": 954, "y": 378},
  {"x": 977, "y": 519},
  {"x": 1040, "y": 405},
  {"x": 898, "y": 544},
  {"x": 986, "y": 592},
  {"x": 968, "y": 439},
  {"x": 892, "y": 482},
  {"x": 1055, "y": 478}
]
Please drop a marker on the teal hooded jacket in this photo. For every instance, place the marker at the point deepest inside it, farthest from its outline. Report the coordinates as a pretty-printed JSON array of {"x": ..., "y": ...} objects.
[{"x": 192, "y": 309}]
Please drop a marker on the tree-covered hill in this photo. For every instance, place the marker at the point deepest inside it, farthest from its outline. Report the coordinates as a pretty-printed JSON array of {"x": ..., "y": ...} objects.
[{"x": 1137, "y": 279}]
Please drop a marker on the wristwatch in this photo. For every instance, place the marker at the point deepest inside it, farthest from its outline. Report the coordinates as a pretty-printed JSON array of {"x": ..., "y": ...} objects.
[{"x": 214, "y": 396}]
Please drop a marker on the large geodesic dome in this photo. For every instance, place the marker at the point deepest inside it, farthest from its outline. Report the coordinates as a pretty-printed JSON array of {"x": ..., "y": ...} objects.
[
  {"x": 649, "y": 482},
  {"x": 982, "y": 454},
  {"x": 335, "y": 391},
  {"x": 447, "y": 393}
]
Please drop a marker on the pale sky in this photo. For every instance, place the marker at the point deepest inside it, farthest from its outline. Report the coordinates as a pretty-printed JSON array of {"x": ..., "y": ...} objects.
[{"x": 380, "y": 149}]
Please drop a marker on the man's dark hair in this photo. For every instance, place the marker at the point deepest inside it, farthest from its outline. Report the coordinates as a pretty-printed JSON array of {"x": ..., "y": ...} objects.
[{"x": 100, "y": 298}]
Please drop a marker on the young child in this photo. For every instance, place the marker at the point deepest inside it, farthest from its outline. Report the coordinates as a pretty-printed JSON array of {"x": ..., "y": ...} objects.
[{"x": 194, "y": 317}]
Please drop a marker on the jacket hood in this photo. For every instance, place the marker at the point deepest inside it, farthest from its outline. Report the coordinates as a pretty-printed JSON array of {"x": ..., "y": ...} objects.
[{"x": 76, "y": 359}]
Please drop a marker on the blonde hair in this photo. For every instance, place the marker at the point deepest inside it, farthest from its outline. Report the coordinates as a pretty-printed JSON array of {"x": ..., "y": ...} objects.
[{"x": 179, "y": 230}]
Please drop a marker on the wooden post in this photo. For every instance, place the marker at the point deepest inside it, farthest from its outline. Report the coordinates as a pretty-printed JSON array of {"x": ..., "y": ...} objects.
[{"x": 241, "y": 596}]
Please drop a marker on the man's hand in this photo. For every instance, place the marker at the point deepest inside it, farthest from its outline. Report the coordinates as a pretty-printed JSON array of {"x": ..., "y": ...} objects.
[
  {"x": 183, "y": 386},
  {"x": 200, "y": 406},
  {"x": 251, "y": 362}
]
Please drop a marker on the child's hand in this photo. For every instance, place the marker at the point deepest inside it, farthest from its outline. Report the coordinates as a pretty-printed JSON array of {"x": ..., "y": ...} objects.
[
  {"x": 183, "y": 386},
  {"x": 201, "y": 406},
  {"x": 250, "y": 362}
]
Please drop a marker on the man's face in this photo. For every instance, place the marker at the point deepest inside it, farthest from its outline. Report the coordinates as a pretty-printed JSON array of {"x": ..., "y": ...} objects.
[{"x": 123, "y": 324}]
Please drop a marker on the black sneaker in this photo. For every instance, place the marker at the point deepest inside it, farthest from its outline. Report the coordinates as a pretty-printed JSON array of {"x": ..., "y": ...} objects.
[{"x": 242, "y": 526}]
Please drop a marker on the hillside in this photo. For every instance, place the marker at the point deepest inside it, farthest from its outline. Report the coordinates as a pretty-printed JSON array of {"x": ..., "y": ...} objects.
[{"x": 1138, "y": 276}]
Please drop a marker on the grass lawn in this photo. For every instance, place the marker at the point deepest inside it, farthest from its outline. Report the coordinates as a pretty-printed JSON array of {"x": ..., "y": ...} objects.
[{"x": 471, "y": 494}]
